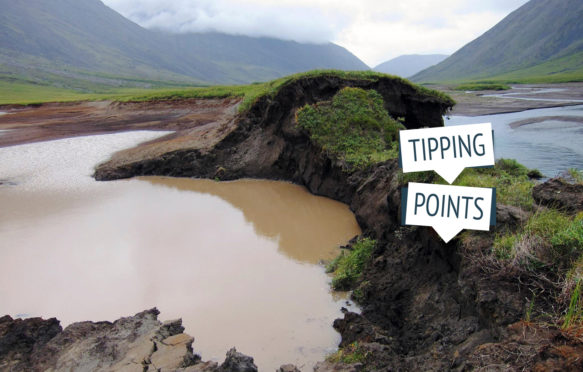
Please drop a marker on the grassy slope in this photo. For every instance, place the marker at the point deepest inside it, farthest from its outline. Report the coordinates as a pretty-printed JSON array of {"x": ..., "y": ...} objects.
[
  {"x": 76, "y": 38},
  {"x": 560, "y": 70},
  {"x": 542, "y": 41}
]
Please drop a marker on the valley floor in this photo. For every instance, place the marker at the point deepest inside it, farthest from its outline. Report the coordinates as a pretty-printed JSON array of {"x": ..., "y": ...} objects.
[
  {"x": 521, "y": 97},
  {"x": 50, "y": 121}
]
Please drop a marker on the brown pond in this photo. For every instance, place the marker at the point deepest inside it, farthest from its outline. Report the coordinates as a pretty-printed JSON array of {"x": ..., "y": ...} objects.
[{"x": 238, "y": 261}]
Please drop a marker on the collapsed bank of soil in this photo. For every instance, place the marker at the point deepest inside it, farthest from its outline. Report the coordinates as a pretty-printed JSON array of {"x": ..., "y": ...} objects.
[{"x": 426, "y": 305}]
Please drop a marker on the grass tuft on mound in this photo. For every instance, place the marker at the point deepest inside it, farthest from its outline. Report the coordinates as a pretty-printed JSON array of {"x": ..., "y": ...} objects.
[{"x": 354, "y": 126}]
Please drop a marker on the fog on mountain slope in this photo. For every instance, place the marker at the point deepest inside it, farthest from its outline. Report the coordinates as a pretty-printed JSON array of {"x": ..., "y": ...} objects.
[
  {"x": 409, "y": 64},
  {"x": 541, "y": 38},
  {"x": 85, "y": 39}
]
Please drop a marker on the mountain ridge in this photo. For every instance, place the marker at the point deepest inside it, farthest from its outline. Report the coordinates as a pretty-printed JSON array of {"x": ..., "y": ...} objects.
[
  {"x": 538, "y": 32},
  {"x": 85, "y": 37}
]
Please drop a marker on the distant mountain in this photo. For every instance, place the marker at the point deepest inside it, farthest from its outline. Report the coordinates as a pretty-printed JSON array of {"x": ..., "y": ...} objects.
[
  {"x": 84, "y": 39},
  {"x": 409, "y": 64},
  {"x": 541, "y": 38}
]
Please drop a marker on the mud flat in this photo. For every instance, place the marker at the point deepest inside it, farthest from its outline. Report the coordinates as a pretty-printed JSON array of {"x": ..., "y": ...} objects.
[
  {"x": 61, "y": 120},
  {"x": 521, "y": 97},
  {"x": 569, "y": 119}
]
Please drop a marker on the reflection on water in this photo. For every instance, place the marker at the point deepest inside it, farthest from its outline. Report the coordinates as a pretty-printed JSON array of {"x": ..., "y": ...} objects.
[
  {"x": 308, "y": 228},
  {"x": 551, "y": 146},
  {"x": 205, "y": 251}
]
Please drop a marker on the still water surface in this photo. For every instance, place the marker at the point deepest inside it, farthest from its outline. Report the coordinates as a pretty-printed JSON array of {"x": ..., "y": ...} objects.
[
  {"x": 236, "y": 260},
  {"x": 551, "y": 146}
]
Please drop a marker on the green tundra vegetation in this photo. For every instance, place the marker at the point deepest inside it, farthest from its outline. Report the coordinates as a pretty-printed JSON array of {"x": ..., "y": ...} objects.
[
  {"x": 348, "y": 266},
  {"x": 482, "y": 86},
  {"x": 549, "y": 243},
  {"x": 511, "y": 179},
  {"x": 354, "y": 126},
  {"x": 540, "y": 42},
  {"x": 352, "y": 353},
  {"x": 30, "y": 93}
]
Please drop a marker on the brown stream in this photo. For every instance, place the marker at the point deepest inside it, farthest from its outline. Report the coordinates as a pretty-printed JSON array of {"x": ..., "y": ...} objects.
[{"x": 237, "y": 261}]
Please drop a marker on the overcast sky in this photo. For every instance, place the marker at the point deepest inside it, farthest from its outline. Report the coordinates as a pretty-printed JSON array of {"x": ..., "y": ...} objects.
[{"x": 374, "y": 30}]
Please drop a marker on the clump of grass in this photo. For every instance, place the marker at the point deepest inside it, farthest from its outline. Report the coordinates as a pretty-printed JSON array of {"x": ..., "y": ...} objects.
[
  {"x": 482, "y": 86},
  {"x": 421, "y": 177},
  {"x": 576, "y": 174},
  {"x": 535, "y": 174},
  {"x": 510, "y": 178},
  {"x": 504, "y": 245},
  {"x": 348, "y": 267},
  {"x": 575, "y": 309},
  {"x": 549, "y": 238},
  {"x": 354, "y": 126},
  {"x": 353, "y": 353},
  {"x": 529, "y": 309},
  {"x": 571, "y": 294}
]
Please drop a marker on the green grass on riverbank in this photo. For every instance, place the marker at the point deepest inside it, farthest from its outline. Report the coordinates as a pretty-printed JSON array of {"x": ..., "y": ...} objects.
[
  {"x": 348, "y": 267},
  {"x": 482, "y": 86},
  {"x": 510, "y": 178},
  {"x": 545, "y": 249},
  {"x": 21, "y": 93}
]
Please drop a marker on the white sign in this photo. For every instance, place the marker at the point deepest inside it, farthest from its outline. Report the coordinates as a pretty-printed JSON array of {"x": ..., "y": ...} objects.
[
  {"x": 447, "y": 150},
  {"x": 448, "y": 209}
]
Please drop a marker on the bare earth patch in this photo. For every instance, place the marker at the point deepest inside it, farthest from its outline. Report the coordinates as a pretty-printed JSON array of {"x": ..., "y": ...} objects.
[{"x": 519, "y": 98}]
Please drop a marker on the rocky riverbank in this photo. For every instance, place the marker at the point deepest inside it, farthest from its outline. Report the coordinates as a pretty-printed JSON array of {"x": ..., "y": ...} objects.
[{"x": 137, "y": 343}]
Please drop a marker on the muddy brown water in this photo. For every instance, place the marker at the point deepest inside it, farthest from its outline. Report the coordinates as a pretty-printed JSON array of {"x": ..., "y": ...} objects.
[{"x": 238, "y": 261}]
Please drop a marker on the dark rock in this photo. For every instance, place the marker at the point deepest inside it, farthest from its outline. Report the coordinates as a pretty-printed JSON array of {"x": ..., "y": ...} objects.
[
  {"x": 39, "y": 345},
  {"x": 337, "y": 367},
  {"x": 288, "y": 368},
  {"x": 237, "y": 362},
  {"x": 21, "y": 338},
  {"x": 354, "y": 327},
  {"x": 556, "y": 193},
  {"x": 509, "y": 217}
]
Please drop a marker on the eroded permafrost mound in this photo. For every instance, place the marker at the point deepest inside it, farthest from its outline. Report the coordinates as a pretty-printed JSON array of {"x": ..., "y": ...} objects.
[{"x": 426, "y": 305}]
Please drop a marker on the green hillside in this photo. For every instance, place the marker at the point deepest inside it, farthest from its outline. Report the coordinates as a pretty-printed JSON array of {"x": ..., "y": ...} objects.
[
  {"x": 82, "y": 43},
  {"x": 542, "y": 41}
]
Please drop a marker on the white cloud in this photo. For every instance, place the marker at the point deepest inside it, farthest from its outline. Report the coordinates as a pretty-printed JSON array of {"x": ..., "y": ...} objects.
[{"x": 374, "y": 30}]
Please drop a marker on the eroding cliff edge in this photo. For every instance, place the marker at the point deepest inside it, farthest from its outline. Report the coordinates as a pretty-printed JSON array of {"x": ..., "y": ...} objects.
[{"x": 265, "y": 142}]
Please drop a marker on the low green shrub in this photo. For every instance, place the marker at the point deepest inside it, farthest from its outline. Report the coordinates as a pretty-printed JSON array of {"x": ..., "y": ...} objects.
[
  {"x": 575, "y": 309},
  {"x": 482, "y": 86},
  {"x": 510, "y": 178},
  {"x": 576, "y": 174},
  {"x": 354, "y": 126},
  {"x": 549, "y": 238},
  {"x": 353, "y": 353},
  {"x": 348, "y": 266}
]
